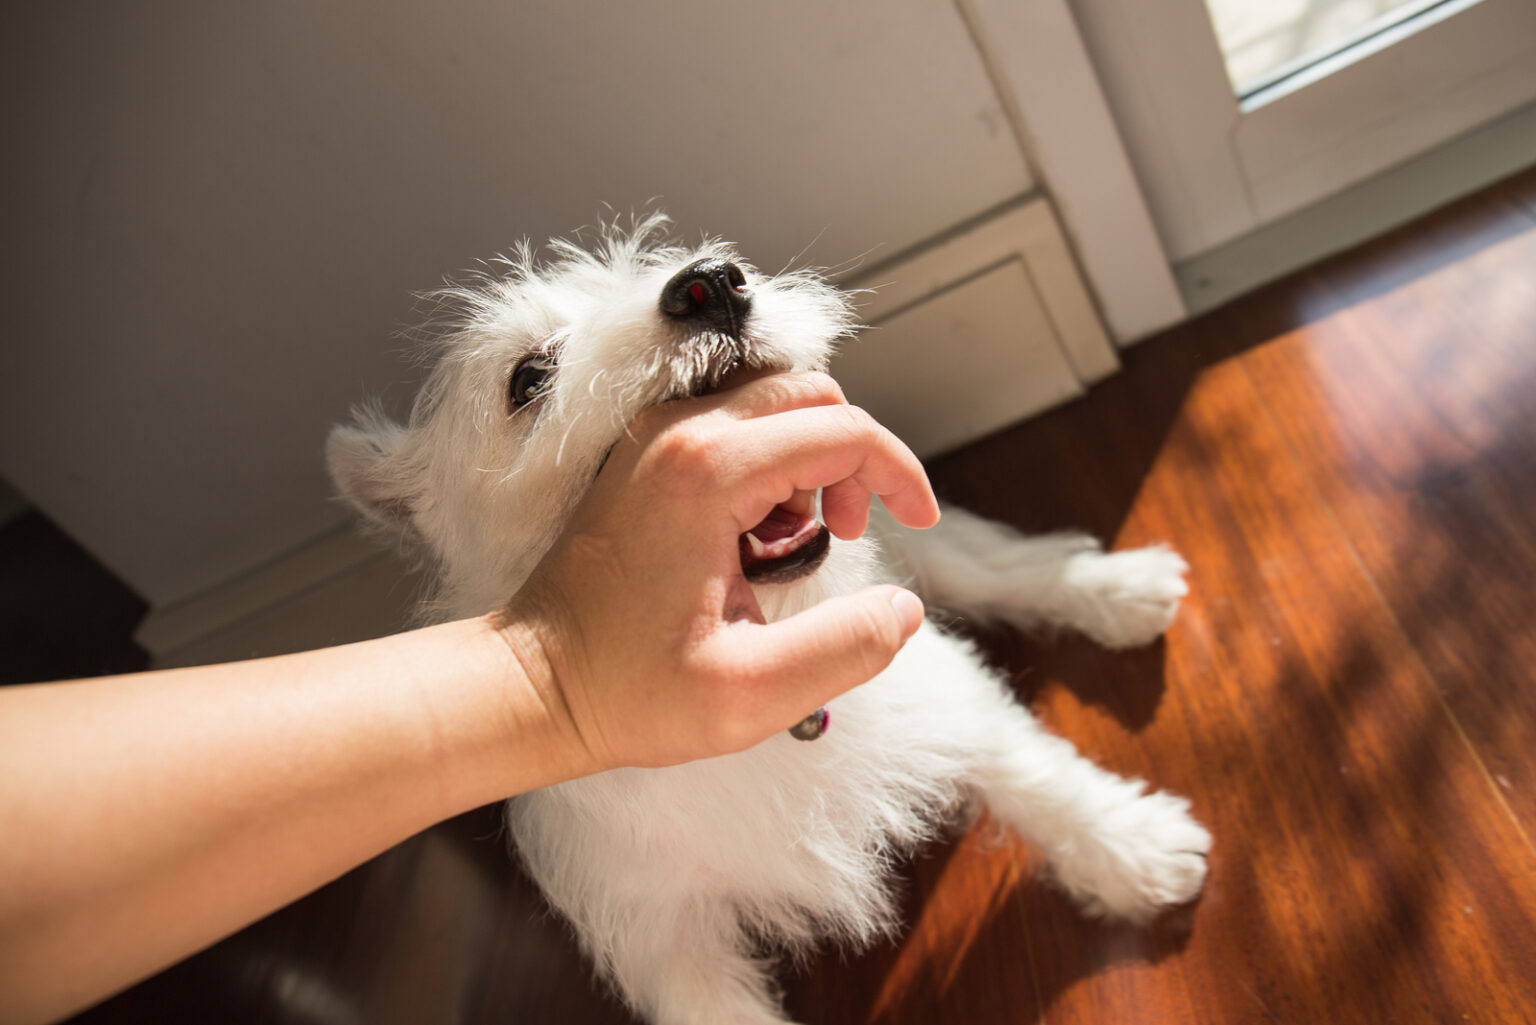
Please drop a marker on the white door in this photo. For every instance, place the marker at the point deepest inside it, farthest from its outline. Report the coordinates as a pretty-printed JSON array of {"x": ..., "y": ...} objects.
[{"x": 1311, "y": 96}]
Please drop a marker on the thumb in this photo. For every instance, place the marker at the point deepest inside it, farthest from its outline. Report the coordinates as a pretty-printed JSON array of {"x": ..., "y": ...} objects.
[{"x": 831, "y": 647}]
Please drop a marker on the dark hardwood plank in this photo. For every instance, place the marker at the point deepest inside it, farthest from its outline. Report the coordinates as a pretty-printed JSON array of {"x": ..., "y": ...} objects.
[{"x": 1520, "y": 189}]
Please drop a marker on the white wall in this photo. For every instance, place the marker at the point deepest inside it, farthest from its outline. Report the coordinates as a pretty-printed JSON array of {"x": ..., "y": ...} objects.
[{"x": 217, "y": 213}]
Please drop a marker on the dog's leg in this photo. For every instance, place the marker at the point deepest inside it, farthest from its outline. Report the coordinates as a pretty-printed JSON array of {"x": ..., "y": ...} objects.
[
  {"x": 1118, "y": 850},
  {"x": 689, "y": 963},
  {"x": 985, "y": 569}
]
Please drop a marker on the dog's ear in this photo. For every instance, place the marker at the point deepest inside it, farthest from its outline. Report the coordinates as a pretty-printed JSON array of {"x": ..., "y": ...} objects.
[{"x": 367, "y": 465}]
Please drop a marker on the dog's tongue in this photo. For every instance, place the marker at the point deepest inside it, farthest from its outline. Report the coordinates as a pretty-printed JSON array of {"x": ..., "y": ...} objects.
[
  {"x": 782, "y": 532},
  {"x": 779, "y": 524}
]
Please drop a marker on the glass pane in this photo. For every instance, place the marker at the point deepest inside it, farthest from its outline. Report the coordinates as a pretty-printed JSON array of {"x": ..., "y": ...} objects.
[{"x": 1264, "y": 41}]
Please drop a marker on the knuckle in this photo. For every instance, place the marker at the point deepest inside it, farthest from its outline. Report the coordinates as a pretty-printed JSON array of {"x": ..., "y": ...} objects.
[
  {"x": 822, "y": 385},
  {"x": 652, "y": 423},
  {"x": 687, "y": 446},
  {"x": 854, "y": 423},
  {"x": 802, "y": 388},
  {"x": 730, "y": 733}
]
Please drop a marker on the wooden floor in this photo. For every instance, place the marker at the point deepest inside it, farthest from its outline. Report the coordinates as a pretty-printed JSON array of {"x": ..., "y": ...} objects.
[{"x": 1348, "y": 460}]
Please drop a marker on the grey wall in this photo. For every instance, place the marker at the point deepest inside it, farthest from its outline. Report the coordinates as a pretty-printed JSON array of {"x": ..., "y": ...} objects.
[{"x": 218, "y": 212}]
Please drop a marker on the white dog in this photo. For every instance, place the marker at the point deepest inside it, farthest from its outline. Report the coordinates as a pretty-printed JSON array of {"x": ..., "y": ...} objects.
[{"x": 680, "y": 881}]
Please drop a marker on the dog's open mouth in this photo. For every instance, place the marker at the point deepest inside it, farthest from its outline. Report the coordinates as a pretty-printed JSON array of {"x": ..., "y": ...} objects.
[
  {"x": 790, "y": 543},
  {"x": 786, "y": 546}
]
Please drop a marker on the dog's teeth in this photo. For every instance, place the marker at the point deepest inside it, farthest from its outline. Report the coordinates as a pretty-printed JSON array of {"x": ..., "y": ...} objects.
[{"x": 758, "y": 548}]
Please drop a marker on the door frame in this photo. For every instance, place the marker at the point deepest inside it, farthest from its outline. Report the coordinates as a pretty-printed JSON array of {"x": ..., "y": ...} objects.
[{"x": 1041, "y": 69}]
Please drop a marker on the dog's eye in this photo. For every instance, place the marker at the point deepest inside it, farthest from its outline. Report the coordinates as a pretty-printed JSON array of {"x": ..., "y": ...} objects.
[{"x": 530, "y": 380}]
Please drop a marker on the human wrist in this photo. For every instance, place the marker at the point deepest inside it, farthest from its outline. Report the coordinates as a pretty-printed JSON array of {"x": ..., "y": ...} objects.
[
  {"x": 480, "y": 711},
  {"x": 536, "y": 740}
]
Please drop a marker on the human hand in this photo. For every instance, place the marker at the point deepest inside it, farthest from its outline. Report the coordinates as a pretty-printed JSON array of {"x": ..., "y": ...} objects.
[{"x": 639, "y": 629}]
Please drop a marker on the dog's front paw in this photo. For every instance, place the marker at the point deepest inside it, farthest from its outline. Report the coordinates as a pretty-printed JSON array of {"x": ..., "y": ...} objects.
[
  {"x": 1126, "y": 599},
  {"x": 1151, "y": 856}
]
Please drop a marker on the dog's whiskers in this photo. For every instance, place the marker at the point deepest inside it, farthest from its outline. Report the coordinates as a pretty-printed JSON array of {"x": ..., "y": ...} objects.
[{"x": 569, "y": 428}]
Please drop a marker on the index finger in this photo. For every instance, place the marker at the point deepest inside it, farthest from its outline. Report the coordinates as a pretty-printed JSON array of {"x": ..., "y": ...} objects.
[
  {"x": 763, "y": 393},
  {"x": 840, "y": 448}
]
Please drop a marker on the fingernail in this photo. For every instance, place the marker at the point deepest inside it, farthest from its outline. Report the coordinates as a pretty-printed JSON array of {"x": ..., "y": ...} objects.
[{"x": 910, "y": 608}]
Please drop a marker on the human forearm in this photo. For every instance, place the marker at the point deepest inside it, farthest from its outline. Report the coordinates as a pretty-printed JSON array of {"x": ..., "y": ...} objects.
[
  {"x": 164, "y": 810},
  {"x": 147, "y": 816}
]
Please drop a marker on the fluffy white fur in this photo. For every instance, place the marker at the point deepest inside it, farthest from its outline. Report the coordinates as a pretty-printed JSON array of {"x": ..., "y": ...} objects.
[{"x": 683, "y": 882}]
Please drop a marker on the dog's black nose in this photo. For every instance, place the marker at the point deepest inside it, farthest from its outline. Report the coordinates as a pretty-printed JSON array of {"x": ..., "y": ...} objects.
[{"x": 711, "y": 292}]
